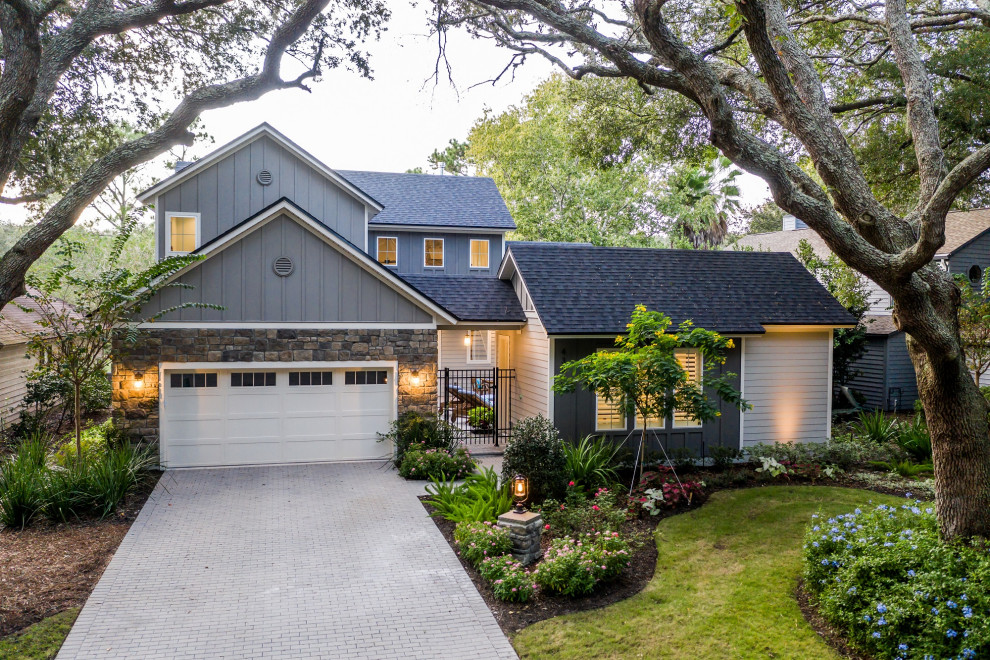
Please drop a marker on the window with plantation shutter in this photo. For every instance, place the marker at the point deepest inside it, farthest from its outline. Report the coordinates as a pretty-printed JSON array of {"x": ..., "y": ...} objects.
[
  {"x": 690, "y": 359},
  {"x": 652, "y": 422},
  {"x": 609, "y": 416}
]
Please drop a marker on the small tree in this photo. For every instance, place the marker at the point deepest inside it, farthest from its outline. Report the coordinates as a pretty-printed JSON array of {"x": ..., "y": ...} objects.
[
  {"x": 974, "y": 323},
  {"x": 78, "y": 315},
  {"x": 644, "y": 376}
]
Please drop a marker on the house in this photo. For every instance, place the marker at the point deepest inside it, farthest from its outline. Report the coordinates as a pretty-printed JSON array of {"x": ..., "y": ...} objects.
[
  {"x": 350, "y": 297},
  {"x": 886, "y": 378},
  {"x": 16, "y": 328}
]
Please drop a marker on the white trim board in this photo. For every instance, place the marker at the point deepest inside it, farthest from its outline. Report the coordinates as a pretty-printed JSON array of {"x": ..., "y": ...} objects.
[
  {"x": 255, "y": 133},
  {"x": 290, "y": 325}
]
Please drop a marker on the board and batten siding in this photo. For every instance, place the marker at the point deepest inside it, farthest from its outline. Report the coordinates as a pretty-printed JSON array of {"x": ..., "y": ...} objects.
[
  {"x": 325, "y": 286},
  {"x": 456, "y": 251},
  {"x": 14, "y": 365},
  {"x": 786, "y": 377},
  {"x": 227, "y": 193}
]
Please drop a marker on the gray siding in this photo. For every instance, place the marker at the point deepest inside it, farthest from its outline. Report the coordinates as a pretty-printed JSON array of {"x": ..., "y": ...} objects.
[
  {"x": 786, "y": 380},
  {"x": 574, "y": 413},
  {"x": 14, "y": 365},
  {"x": 976, "y": 253},
  {"x": 326, "y": 286},
  {"x": 879, "y": 301},
  {"x": 227, "y": 193},
  {"x": 871, "y": 380},
  {"x": 900, "y": 371},
  {"x": 456, "y": 252}
]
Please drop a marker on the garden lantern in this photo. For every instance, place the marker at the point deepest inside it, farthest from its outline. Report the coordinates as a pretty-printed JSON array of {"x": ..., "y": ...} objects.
[
  {"x": 139, "y": 380},
  {"x": 415, "y": 378},
  {"x": 520, "y": 492}
]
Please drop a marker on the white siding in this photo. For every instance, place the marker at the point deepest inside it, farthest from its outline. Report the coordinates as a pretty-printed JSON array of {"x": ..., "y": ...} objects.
[
  {"x": 14, "y": 365},
  {"x": 531, "y": 360},
  {"x": 453, "y": 352},
  {"x": 786, "y": 380},
  {"x": 878, "y": 299}
]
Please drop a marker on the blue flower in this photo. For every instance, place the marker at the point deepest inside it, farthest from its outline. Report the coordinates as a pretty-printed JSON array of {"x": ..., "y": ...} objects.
[
  {"x": 881, "y": 621},
  {"x": 935, "y": 611},
  {"x": 877, "y": 635},
  {"x": 881, "y": 608},
  {"x": 911, "y": 572},
  {"x": 968, "y": 653},
  {"x": 951, "y": 605},
  {"x": 950, "y": 633},
  {"x": 902, "y": 647},
  {"x": 867, "y": 618}
]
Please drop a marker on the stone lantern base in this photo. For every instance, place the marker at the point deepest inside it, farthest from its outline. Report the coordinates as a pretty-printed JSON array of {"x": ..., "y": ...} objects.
[{"x": 524, "y": 530}]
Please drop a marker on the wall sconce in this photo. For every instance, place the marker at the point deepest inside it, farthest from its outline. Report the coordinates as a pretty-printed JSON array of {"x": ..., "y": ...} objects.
[
  {"x": 415, "y": 378},
  {"x": 467, "y": 339},
  {"x": 139, "y": 380},
  {"x": 520, "y": 492}
]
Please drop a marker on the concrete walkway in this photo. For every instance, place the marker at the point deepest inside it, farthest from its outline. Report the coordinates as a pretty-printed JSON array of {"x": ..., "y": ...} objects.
[{"x": 311, "y": 561}]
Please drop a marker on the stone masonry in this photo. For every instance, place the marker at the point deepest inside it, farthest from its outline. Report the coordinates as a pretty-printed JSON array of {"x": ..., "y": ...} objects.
[{"x": 136, "y": 408}]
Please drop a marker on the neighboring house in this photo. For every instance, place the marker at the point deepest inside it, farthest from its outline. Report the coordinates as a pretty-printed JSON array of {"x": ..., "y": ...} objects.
[
  {"x": 345, "y": 293},
  {"x": 886, "y": 377},
  {"x": 16, "y": 328}
]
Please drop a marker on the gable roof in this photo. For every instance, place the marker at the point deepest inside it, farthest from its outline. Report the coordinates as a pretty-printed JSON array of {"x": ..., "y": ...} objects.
[
  {"x": 961, "y": 227},
  {"x": 472, "y": 298},
  {"x": 15, "y": 322},
  {"x": 434, "y": 201},
  {"x": 581, "y": 289},
  {"x": 286, "y": 207},
  {"x": 262, "y": 130}
]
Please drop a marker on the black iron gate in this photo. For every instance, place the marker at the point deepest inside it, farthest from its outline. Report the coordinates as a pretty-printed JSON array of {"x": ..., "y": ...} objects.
[{"x": 478, "y": 403}]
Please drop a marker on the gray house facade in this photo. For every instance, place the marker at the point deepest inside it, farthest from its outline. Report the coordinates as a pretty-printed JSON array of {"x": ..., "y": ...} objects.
[{"x": 334, "y": 299}]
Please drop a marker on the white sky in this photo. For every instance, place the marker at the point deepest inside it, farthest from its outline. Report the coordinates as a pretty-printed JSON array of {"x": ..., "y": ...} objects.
[{"x": 392, "y": 123}]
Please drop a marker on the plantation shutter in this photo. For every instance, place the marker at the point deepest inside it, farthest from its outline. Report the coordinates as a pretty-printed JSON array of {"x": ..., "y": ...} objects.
[
  {"x": 609, "y": 416},
  {"x": 690, "y": 359}
]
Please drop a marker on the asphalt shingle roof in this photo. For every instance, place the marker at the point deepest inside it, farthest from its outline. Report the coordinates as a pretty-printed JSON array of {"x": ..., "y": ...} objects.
[
  {"x": 580, "y": 289},
  {"x": 439, "y": 201},
  {"x": 471, "y": 298}
]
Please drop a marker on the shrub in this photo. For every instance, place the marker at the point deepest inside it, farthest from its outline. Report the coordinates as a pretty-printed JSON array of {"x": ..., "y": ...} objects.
[
  {"x": 414, "y": 430},
  {"x": 574, "y": 567},
  {"x": 886, "y": 578},
  {"x": 537, "y": 452},
  {"x": 579, "y": 515},
  {"x": 660, "y": 489},
  {"x": 436, "y": 463},
  {"x": 591, "y": 462},
  {"x": 478, "y": 541},
  {"x": 915, "y": 440},
  {"x": 21, "y": 481},
  {"x": 875, "y": 426},
  {"x": 844, "y": 451},
  {"x": 507, "y": 578},
  {"x": 682, "y": 458},
  {"x": 478, "y": 499},
  {"x": 723, "y": 457},
  {"x": 93, "y": 441},
  {"x": 481, "y": 417}
]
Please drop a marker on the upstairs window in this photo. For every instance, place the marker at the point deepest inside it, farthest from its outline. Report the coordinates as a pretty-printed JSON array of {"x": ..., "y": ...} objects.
[
  {"x": 433, "y": 252},
  {"x": 183, "y": 232},
  {"x": 388, "y": 254},
  {"x": 690, "y": 359},
  {"x": 479, "y": 253}
]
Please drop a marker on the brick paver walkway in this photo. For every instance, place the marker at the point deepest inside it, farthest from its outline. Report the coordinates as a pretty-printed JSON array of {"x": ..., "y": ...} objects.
[{"x": 312, "y": 561}]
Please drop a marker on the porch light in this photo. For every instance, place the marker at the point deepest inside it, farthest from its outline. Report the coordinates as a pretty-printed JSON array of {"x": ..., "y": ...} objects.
[
  {"x": 414, "y": 377},
  {"x": 520, "y": 492},
  {"x": 467, "y": 339},
  {"x": 139, "y": 380}
]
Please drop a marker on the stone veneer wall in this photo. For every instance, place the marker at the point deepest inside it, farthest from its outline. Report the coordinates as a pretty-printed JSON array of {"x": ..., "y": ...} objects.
[{"x": 135, "y": 409}]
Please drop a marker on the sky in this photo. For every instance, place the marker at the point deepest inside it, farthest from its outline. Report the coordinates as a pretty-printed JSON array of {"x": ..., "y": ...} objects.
[{"x": 393, "y": 122}]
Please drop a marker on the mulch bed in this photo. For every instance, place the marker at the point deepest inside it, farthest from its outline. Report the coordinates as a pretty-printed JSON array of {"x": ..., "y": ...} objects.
[
  {"x": 513, "y": 617},
  {"x": 47, "y": 568},
  {"x": 832, "y": 635}
]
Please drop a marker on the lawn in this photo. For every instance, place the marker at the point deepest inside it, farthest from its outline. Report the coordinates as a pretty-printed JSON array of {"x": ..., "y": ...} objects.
[
  {"x": 723, "y": 588},
  {"x": 40, "y": 641}
]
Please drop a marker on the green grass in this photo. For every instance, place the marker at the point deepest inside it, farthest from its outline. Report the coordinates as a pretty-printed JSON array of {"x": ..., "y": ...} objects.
[
  {"x": 723, "y": 588},
  {"x": 40, "y": 641}
]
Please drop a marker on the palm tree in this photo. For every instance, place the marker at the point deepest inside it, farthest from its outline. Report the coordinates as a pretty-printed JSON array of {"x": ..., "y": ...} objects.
[{"x": 702, "y": 200}]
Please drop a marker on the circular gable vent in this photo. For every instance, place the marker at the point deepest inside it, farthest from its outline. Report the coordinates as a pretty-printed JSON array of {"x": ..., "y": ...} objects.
[
  {"x": 283, "y": 266},
  {"x": 264, "y": 177}
]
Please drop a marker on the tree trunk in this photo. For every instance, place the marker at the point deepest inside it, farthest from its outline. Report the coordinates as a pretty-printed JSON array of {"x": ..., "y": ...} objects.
[{"x": 77, "y": 419}]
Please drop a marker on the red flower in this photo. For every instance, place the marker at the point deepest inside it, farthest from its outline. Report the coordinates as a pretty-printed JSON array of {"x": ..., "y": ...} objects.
[{"x": 571, "y": 483}]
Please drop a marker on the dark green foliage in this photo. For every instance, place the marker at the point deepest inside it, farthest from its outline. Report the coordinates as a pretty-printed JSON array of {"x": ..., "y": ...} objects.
[
  {"x": 723, "y": 457},
  {"x": 579, "y": 515},
  {"x": 682, "y": 458},
  {"x": 481, "y": 417},
  {"x": 507, "y": 578},
  {"x": 21, "y": 483},
  {"x": 575, "y": 566},
  {"x": 436, "y": 463},
  {"x": 478, "y": 541},
  {"x": 423, "y": 431},
  {"x": 843, "y": 451},
  {"x": 875, "y": 426},
  {"x": 915, "y": 439},
  {"x": 478, "y": 499},
  {"x": 897, "y": 590},
  {"x": 536, "y": 451},
  {"x": 591, "y": 462}
]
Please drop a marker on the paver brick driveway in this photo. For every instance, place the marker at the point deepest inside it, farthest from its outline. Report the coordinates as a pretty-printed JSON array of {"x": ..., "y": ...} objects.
[{"x": 311, "y": 561}]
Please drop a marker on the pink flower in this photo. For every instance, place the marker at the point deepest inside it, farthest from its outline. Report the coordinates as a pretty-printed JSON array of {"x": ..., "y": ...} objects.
[
  {"x": 595, "y": 507},
  {"x": 546, "y": 527},
  {"x": 571, "y": 483}
]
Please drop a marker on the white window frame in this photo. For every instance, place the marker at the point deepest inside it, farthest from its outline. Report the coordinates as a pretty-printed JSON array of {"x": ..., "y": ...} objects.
[
  {"x": 637, "y": 427},
  {"x": 168, "y": 231},
  {"x": 443, "y": 252},
  {"x": 624, "y": 417},
  {"x": 488, "y": 347},
  {"x": 488, "y": 251},
  {"x": 378, "y": 251},
  {"x": 701, "y": 375}
]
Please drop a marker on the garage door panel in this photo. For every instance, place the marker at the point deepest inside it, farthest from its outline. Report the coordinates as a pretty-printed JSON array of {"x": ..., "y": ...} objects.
[{"x": 241, "y": 425}]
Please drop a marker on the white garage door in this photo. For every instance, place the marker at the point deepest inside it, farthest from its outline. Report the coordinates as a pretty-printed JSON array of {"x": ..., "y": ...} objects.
[{"x": 256, "y": 416}]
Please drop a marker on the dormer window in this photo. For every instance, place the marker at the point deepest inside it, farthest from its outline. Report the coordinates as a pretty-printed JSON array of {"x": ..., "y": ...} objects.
[
  {"x": 479, "y": 253},
  {"x": 388, "y": 252},
  {"x": 181, "y": 232},
  {"x": 433, "y": 252}
]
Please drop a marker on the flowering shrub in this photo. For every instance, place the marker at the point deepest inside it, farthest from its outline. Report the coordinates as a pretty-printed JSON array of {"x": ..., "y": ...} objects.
[
  {"x": 478, "y": 541},
  {"x": 507, "y": 578},
  {"x": 896, "y": 588},
  {"x": 573, "y": 567},
  {"x": 580, "y": 515},
  {"x": 434, "y": 463},
  {"x": 660, "y": 489}
]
